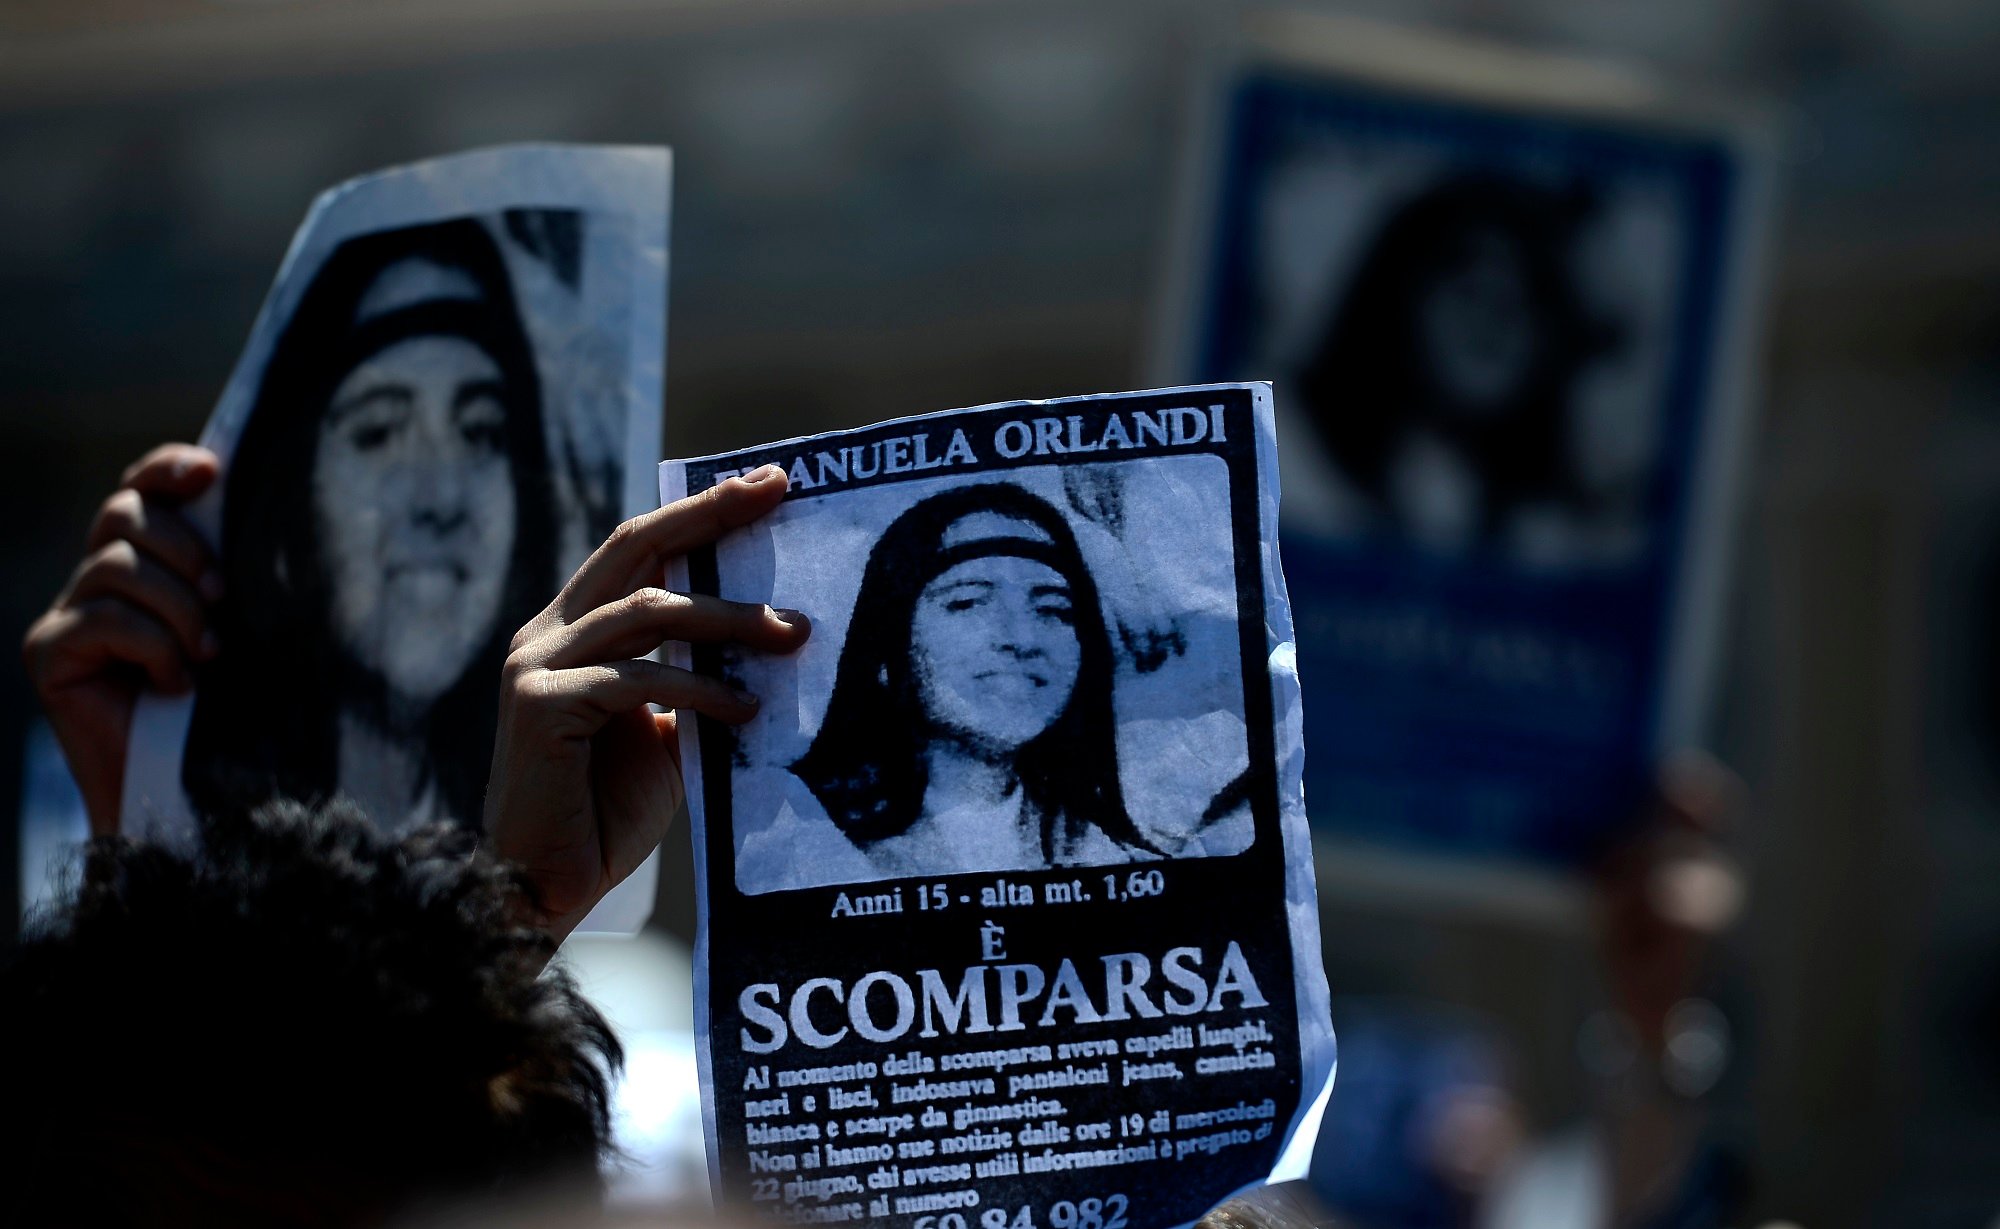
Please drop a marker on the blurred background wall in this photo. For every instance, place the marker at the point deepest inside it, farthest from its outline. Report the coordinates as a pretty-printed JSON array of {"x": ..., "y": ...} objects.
[{"x": 888, "y": 207}]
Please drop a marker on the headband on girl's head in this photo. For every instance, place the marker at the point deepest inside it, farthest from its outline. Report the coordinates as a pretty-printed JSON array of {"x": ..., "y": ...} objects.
[
  {"x": 983, "y": 548},
  {"x": 470, "y": 319}
]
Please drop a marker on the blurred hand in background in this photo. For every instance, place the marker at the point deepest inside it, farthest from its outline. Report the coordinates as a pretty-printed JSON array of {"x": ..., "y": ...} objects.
[
  {"x": 1662, "y": 897},
  {"x": 1646, "y": 1153}
]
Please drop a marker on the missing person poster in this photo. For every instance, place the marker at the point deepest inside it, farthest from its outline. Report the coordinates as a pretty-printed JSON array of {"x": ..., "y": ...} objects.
[
  {"x": 1506, "y": 304},
  {"x": 451, "y": 396},
  {"x": 1007, "y": 910}
]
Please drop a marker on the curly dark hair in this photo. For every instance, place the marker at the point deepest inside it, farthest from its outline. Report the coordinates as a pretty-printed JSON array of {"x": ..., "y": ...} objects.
[{"x": 295, "y": 1021}]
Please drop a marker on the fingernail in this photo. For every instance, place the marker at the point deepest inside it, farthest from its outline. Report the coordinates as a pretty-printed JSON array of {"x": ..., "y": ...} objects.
[
  {"x": 790, "y": 618},
  {"x": 211, "y": 585},
  {"x": 747, "y": 697},
  {"x": 210, "y": 646},
  {"x": 763, "y": 473}
]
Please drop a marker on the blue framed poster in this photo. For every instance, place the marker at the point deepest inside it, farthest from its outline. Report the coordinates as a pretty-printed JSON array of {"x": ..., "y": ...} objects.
[{"x": 1504, "y": 305}]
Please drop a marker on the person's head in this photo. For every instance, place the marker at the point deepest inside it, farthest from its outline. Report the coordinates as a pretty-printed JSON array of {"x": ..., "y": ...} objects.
[
  {"x": 979, "y": 625},
  {"x": 298, "y": 1021},
  {"x": 388, "y": 520},
  {"x": 994, "y": 651},
  {"x": 1465, "y": 316},
  {"x": 414, "y": 504}
]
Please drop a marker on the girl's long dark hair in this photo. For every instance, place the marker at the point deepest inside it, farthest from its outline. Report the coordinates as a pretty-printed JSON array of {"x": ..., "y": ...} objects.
[
  {"x": 266, "y": 717},
  {"x": 1370, "y": 379},
  {"x": 867, "y": 766}
]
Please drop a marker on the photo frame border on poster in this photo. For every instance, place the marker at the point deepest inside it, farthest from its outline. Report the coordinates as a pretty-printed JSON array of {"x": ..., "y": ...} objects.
[
  {"x": 629, "y": 181},
  {"x": 1107, "y": 562},
  {"x": 1318, "y": 1056},
  {"x": 1453, "y": 69}
]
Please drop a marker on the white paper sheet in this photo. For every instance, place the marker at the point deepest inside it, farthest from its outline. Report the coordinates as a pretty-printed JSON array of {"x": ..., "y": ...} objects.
[
  {"x": 1006, "y": 894},
  {"x": 451, "y": 395}
]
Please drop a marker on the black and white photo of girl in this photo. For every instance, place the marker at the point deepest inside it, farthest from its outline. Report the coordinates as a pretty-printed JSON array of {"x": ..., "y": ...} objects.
[
  {"x": 985, "y": 713},
  {"x": 1442, "y": 384},
  {"x": 1477, "y": 353},
  {"x": 394, "y": 508},
  {"x": 986, "y": 725}
]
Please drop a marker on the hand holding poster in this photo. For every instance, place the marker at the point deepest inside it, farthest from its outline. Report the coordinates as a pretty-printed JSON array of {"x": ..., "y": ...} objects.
[
  {"x": 1006, "y": 894},
  {"x": 451, "y": 394}
]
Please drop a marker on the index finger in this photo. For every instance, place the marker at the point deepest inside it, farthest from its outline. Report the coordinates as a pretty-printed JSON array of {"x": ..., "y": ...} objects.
[
  {"x": 636, "y": 553},
  {"x": 156, "y": 527},
  {"x": 173, "y": 471}
]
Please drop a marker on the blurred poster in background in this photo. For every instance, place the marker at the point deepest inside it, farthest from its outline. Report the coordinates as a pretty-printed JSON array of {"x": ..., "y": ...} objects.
[{"x": 1506, "y": 305}]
